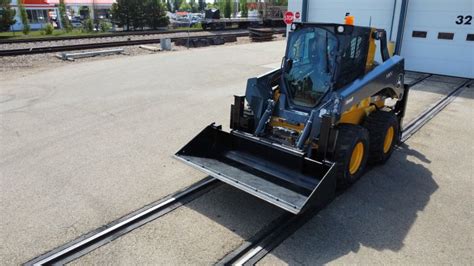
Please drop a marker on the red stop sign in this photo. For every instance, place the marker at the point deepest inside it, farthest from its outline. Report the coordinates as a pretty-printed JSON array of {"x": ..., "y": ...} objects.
[
  {"x": 297, "y": 15},
  {"x": 288, "y": 17}
]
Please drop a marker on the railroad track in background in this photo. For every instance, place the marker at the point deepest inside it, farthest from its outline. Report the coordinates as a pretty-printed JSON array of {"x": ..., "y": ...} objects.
[
  {"x": 63, "y": 48},
  {"x": 251, "y": 251},
  {"x": 104, "y": 35},
  {"x": 101, "y": 236},
  {"x": 85, "y": 46}
]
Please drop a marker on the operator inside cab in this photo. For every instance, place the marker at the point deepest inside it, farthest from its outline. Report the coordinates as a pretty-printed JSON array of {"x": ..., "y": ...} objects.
[{"x": 308, "y": 76}]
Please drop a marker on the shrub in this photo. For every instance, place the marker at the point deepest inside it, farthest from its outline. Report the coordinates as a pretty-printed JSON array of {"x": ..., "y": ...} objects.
[
  {"x": 64, "y": 19},
  {"x": 24, "y": 18},
  {"x": 105, "y": 26},
  {"x": 48, "y": 30},
  {"x": 26, "y": 29},
  {"x": 88, "y": 25}
]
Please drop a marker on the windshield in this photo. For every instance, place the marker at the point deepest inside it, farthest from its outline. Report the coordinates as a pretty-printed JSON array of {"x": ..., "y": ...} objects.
[{"x": 310, "y": 62}]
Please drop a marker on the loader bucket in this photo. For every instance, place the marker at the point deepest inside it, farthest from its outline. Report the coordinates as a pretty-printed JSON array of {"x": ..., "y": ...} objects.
[{"x": 273, "y": 173}]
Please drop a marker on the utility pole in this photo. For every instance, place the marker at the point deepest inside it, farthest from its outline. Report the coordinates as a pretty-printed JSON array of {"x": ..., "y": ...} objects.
[{"x": 236, "y": 8}]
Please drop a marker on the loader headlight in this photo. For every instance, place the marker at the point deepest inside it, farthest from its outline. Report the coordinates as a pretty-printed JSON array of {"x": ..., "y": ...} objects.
[{"x": 340, "y": 29}]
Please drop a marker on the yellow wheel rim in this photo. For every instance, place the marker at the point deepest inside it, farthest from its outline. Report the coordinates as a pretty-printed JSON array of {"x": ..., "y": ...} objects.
[
  {"x": 356, "y": 158},
  {"x": 387, "y": 143}
]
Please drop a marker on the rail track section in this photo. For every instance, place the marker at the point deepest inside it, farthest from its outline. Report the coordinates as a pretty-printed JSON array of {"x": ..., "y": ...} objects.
[
  {"x": 251, "y": 251},
  {"x": 110, "y": 232},
  {"x": 97, "y": 36},
  {"x": 63, "y": 48},
  {"x": 414, "y": 125}
]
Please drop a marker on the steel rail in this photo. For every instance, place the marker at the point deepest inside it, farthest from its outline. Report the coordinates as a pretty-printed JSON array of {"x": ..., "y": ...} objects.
[
  {"x": 420, "y": 80},
  {"x": 62, "y": 48},
  {"x": 105, "y": 35},
  {"x": 253, "y": 250},
  {"x": 419, "y": 121},
  {"x": 99, "y": 237}
]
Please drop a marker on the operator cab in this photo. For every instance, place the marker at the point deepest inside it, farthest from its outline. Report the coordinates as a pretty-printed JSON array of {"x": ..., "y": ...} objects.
[{"x": 322, "y": 57}]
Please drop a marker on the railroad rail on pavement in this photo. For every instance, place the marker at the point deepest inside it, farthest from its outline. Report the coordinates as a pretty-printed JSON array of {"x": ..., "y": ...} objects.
[{"x": 116, "y": 229}]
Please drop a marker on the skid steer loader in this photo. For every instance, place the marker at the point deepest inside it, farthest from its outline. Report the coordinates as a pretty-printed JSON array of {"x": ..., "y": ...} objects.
[{"x": 310, "y": 127}]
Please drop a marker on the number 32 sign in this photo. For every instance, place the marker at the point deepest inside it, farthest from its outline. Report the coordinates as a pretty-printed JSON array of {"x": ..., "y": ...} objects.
[{"x": 466, "y": 20}]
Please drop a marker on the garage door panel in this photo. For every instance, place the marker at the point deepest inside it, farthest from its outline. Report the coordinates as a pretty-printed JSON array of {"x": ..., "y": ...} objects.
[
  {"x": 441, "y": 5},
  {"x": 362, "y": 17},
  {"x": 444, "y": 67},
  {"x": 366, "y": 12},
  {"x": 445, "y": 19},
  {"x": 431, "y": 53},
  {"x": 377, "y": 13}
]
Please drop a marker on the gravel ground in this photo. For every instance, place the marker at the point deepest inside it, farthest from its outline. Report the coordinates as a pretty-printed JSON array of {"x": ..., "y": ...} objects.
[
  {"x": 8, "y": 46},
  {"x": 18, "y": 66}
]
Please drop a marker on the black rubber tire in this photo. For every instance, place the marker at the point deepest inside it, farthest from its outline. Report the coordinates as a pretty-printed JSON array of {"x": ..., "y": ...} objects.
[
  {"x": 348, "y": 136},
  {"x": 377, "y": 123}
]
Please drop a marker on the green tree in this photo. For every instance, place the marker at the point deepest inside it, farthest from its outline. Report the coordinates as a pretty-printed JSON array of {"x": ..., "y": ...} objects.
[
  {"x": 202, "y": 5},
  {"x": 244, "y": 10},
  {"x": 281, "y": 2},
  {"x": 220, "y": 4},
  {"x": 155, "y": 14},
  {"x": 227, "y": 9},
  {"x": 24, "y": 18},
  {"x": 211, "y": 5},
  {"x": 168, "y": 6},
  {"x": 121, "y": 14},
  {"x": 7, "y": 15},
  {"x": 63, "y": 16},
  {"x": 88, "y": 25},
  {"x": 177, "y": 4},
  {"x": 185, "y": 6},
  {"x": 48, "y": 29},
  {"x": 129, "y": 13},
  {"x": 137, "y": 14},
  {"x": 193, "y": 5}
]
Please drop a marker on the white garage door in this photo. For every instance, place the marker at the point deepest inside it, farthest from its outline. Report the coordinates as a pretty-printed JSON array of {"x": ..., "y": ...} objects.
[
  {"x": 439, "y": 37},
  {"x": 376, "y": 13}
]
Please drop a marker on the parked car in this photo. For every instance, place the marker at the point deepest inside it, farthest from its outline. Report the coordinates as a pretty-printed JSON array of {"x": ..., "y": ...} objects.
[{"x": 76, "y": 23}]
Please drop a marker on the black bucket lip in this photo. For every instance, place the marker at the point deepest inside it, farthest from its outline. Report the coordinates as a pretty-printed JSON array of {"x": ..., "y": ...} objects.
[
  {"x": 261, "y": 195},
  {"x": 290, "y": 207}
]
